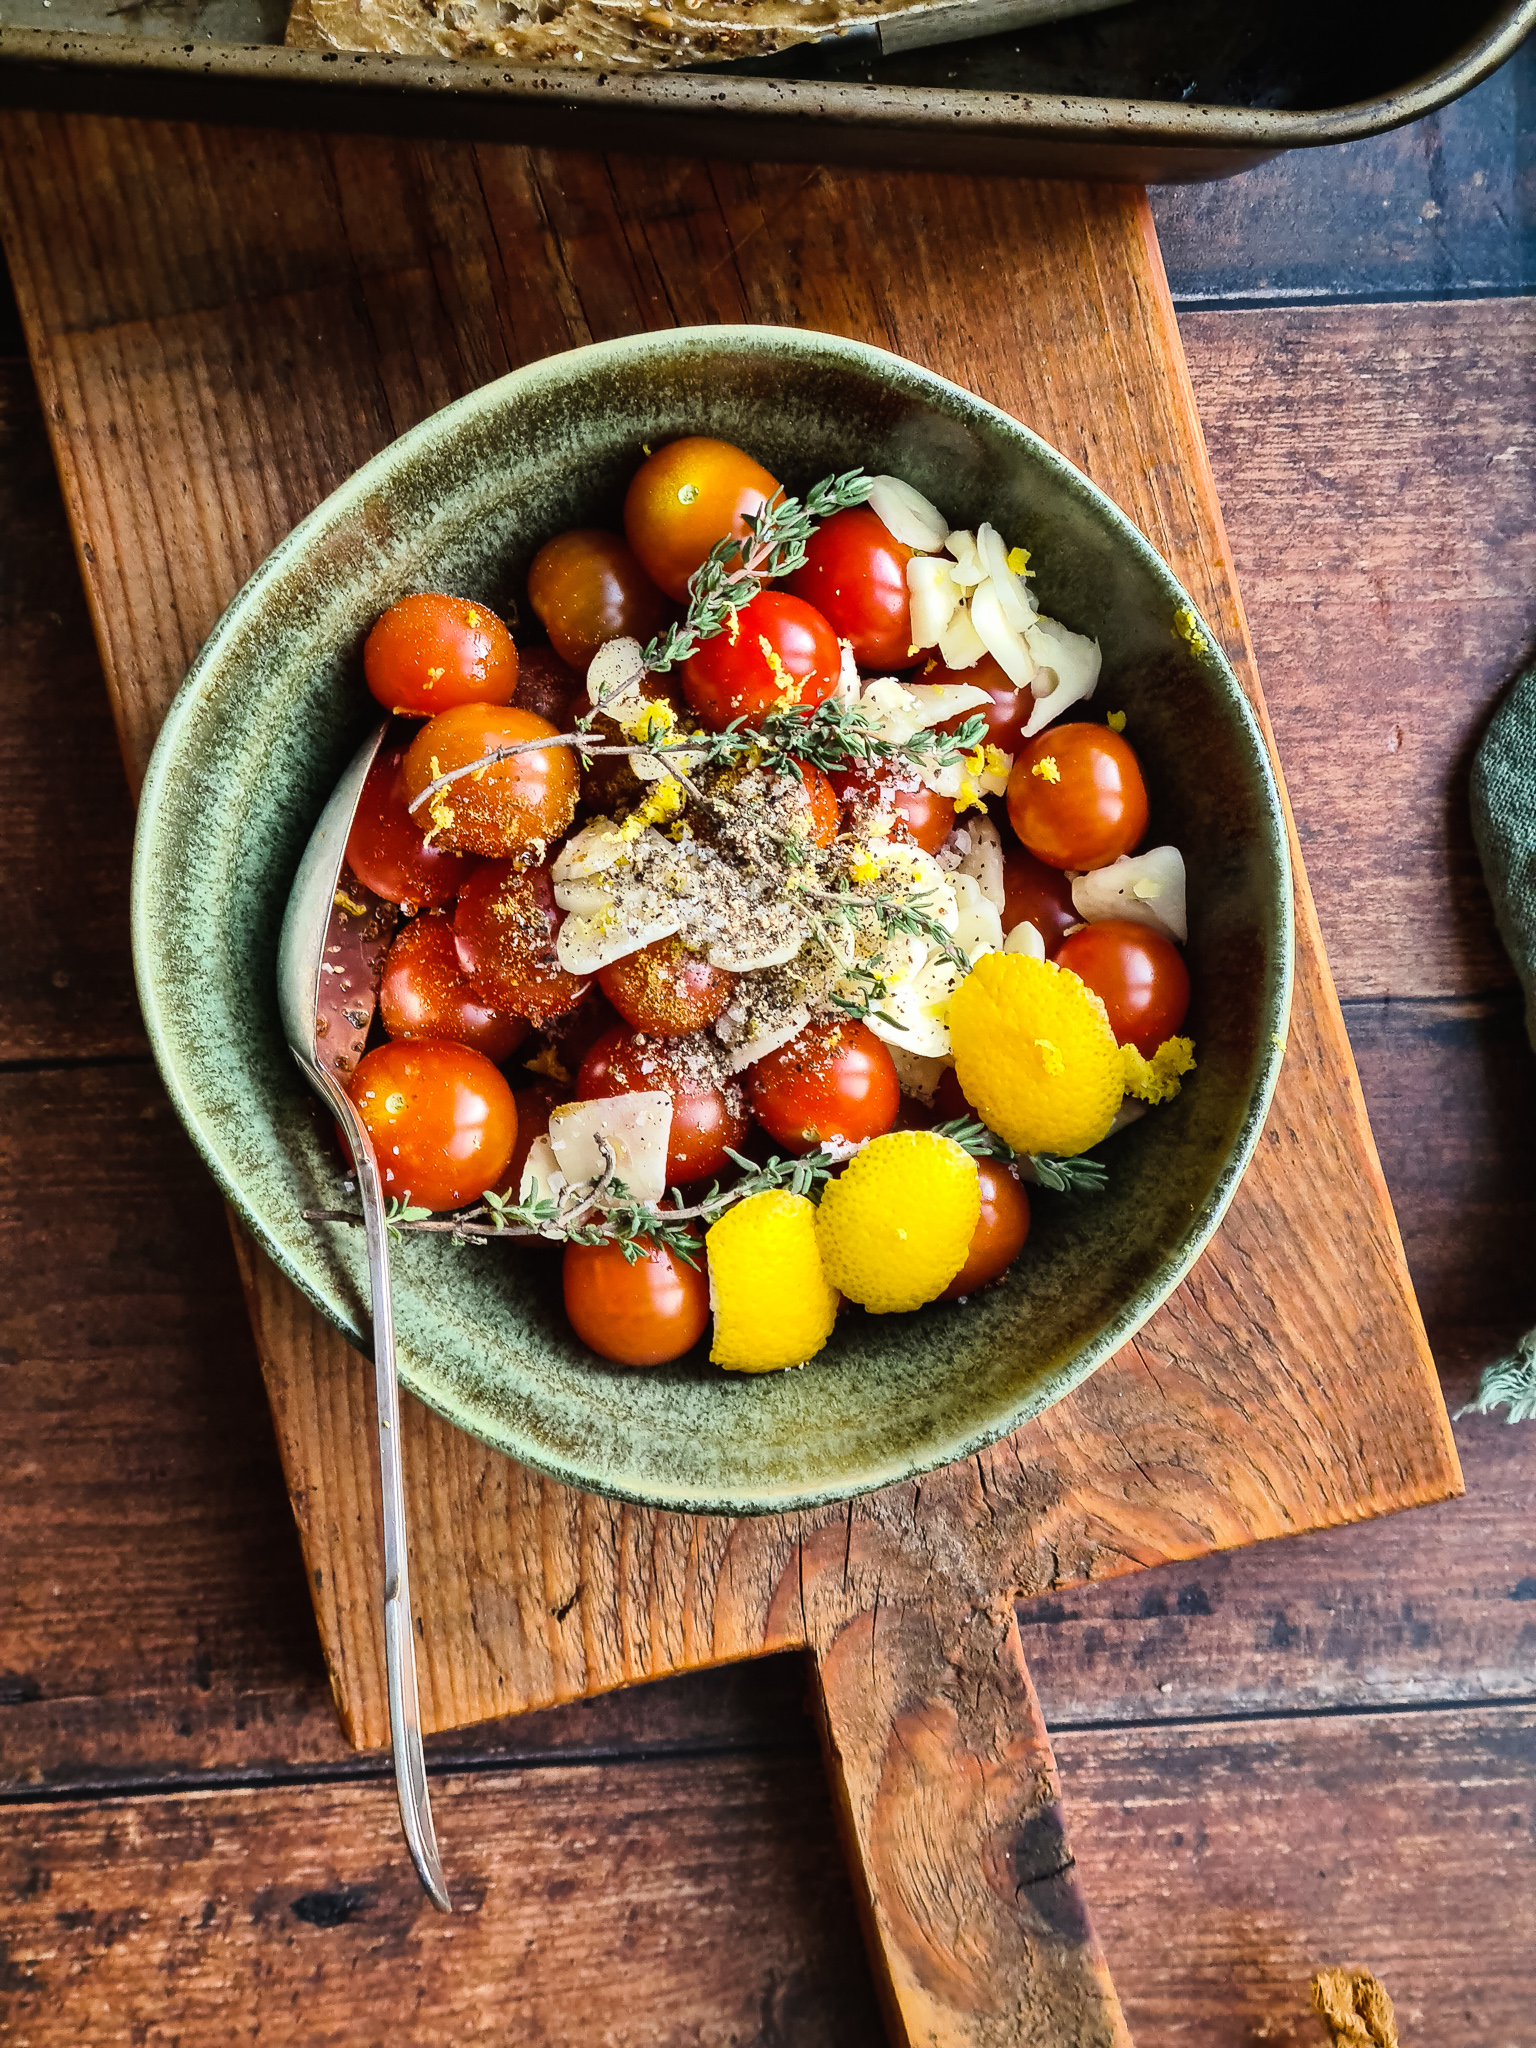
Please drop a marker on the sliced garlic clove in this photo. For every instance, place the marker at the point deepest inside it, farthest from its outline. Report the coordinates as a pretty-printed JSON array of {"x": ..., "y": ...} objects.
[
  {"x": 1026, "y": 940},
  {"x": 542, "y": 1180},
  {"x": 983, "y": 859},
  {"x": 615, "y": 674},
  {"x": 1148, "y": 888},
  {"x": 1001, "y": 638},
  {"x": 637, "y": 1128},
  {"x": 935, "y": 702},
  {"x": 586, "y": 945},
  {"x": 1075, "y": 662},
  {"x": 1012, "y": 595},
  {"x": 933, "y": 594},
  {"x": 775, "y": 945},
  {"x": 960, "y": 645},
  {"x": 583, "y": 899},
  {"x": 919, "y": 1076},
  {"x": 758, "y": 1048},
  {"x": 907, "y": 515},
  {"x": 978, "y": 923},
  {"x": 597, "y": 847},
  {"x": 967, "y": 571}
]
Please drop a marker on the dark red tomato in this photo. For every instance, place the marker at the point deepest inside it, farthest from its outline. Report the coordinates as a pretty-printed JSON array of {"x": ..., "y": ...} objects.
[
  {"x": 949, "y": 1099},
  {"x": 441, "y": 1118},
  {"x": 1008, "y": 713},
  {"x": 533, "y": 1105},
  {"x": 836, "y": 1080},
  {"x": 929, "y": 817},
  {"x": 686, "y": 497},
  {"x": 1137, "y": 974},
  {"x": 387, "y": 849},
  {"x": 820, "y": 803},
  {"x": 1076, "y": 797},
  {"x": 856, "y": 576},
  {"x": 640, "y": 1314},
  {"x": 1000, "y": 1232},
  {"x": 705, "y": 1119},
  {"x": 1039, "y": 894},
  {"x": 587, "y": 588},
  {"x": 781, "y": 652},
  {"x": 430, "y": 652},
  {"x": 423, "y": 993},
  {"x": 548, "y": 688},
  {"x": 504, "y": 931},
  {"x": 514, "y": 808},
  {"x": 666, "y": 989}
]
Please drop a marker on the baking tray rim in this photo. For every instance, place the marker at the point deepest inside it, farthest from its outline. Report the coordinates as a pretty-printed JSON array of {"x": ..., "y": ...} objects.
[{"x": 709, "y": 94}]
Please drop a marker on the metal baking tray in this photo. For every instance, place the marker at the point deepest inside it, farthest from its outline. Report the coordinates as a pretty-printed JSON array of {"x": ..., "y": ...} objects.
[{"x": 1158, "y": 91}]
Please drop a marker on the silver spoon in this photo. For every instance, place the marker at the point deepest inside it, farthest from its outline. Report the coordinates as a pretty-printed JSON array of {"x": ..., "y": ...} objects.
[{"x": 328, "y": 958}]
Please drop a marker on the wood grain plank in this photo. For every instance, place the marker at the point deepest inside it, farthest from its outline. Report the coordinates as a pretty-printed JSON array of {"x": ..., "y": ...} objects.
[
  {"x": 682, "y": 1901},
  {"x": 1388, "y": 572},
  {"x": 1402, "y": 1842}
]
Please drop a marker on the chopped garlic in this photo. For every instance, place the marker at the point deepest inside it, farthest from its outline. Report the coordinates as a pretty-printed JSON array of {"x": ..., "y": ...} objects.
[
  {"x": 638, "y": 1129},
  {"x": 983, "y": 858},
  {"x": 765, "y": 1042},
  {"x": 960, "y": 645},
  {"x": 1018, "y": 606},
  {"x": 934, "y": 596},
  {"x": 542, "y": 1180},
  {"x": 1148, "y": 888},
  {"x": 1025, "y": 939},
  {"x": 1001, "y": 638},
  {"x": 907, "y": 515},
  {"x": 918, "y": 1075},
  {"x": 1069, "y": 664}
]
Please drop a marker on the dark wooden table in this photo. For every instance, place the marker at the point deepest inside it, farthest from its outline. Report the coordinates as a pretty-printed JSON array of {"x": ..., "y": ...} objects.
[{"x": 1318, "y": 1751}]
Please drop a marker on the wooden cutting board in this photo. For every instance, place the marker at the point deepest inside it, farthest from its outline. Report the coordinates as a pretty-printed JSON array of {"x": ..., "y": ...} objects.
[{"x": 224, "y": 325}]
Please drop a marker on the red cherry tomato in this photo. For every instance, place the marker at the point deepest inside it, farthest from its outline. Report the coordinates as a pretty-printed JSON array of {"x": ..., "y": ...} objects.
[
  {"x": 588, "y": 588},
  {"x": 1137, "y": 974},
  {"x": 1039, "y": 894},
  {"x": 514, "y": 807},
  {"x": 686, "y": 497},
  {"x": 820, "y": 803},
  {"x": 666, "y": 989},
  {"x": 423, "y": 993},
  {"x": 1076, "y": 797},
  {"x": 504, "y": 930},
  {"x": 929, "y": 817},
  {"x": 430, "y": 652},
  {"x": 836, "y": 1080},
  {"x": 948, "y": 1099},
  {"x": 548, "y": 688},
  {"x": 640, "y": 1314},
  {"x": 855, "y": 575},
  {"x": 533, "y": 1105},
  {"x": 387, "y": 849},
  {"x": 1000, "y": 1232},
  {"x": 1007, "y": 714},
  {"x": 441, "y": 1118},
  {"x": 705, "y": 1119},
  {"x": 781, "y": 653}
]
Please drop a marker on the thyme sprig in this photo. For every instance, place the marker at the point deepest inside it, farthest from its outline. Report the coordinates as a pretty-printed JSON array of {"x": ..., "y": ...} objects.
[
  {"x": 1077, "y": 1176},
  {"x": 734, "y": 571}
]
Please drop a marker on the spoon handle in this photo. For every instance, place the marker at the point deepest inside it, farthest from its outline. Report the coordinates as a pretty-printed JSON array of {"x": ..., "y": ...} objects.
[{"x": 399, "y": 1637}]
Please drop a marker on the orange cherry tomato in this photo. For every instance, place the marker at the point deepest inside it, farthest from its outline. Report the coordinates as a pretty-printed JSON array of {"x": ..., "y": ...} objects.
[
  {"x": 1076, "y": 797},
  {"x": 666, "y": 989},
  {"x": 430, "y": 652},
  {"x": 441, "y": 1118},
  {"x": 683, "y": 499},
  {"x": 1006, "y": 715},
  {"x": 588, "y": 588},
  {"x": 820, "y": 803},
  {"x": 782, "y": 652},
  {"x": 855, "y": 574},
  {"x": 1039, "y": 895},
  {"x": 836, "y": 1080},
  {"x": 387, "y": 849},
  {"x": 423, "y": 993},
  {"x": 1137, "y": 974},
  {"x": 505, "y": 925},
  {"x": 644, "y": 1313},
  {"x": 1000, "y": 1232},
  {"x": 705, "y": 1118},
  {"x": 516, "y": 808},
  {"x": 929, "y": 817}
]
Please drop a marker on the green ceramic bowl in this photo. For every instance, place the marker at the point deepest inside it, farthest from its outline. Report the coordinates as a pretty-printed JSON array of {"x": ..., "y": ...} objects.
[{"x": 273, "y": 709}]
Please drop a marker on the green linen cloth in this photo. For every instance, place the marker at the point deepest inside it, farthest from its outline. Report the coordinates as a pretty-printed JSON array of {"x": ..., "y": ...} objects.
[{"x": 1504, "y": 826}]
